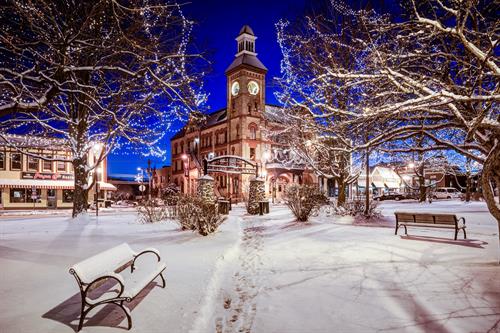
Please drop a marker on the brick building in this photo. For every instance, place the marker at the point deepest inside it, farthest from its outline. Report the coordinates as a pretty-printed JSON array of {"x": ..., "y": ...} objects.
[{"x": 236, "y": 130}]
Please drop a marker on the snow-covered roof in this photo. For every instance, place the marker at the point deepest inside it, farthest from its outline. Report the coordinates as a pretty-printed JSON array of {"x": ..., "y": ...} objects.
[
  {"x": 246, "y": 30},
  {"x": 246, "y": 59}
]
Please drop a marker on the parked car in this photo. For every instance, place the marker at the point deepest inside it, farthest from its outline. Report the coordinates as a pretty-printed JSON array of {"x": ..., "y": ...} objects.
[
  {"x": 446, "y": 193},
  {"x": 390, "y": 196}
]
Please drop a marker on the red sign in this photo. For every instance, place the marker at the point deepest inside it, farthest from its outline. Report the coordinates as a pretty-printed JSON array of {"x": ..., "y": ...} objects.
[{"x": 47, "y": 176}]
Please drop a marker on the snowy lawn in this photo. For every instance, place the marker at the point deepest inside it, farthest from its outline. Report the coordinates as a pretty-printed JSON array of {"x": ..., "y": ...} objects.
[
  {"x": 331, "y": 276},
  {"x": 37, "y": 294},
  {"x": 263, "y": 274}
]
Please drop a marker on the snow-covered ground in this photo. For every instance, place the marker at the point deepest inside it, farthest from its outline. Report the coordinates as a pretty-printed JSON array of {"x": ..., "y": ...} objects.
[{"x": 263, "y": 274}]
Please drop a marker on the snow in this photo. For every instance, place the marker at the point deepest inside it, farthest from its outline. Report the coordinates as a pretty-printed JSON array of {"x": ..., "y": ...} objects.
[{"x": 263, "y": 273}]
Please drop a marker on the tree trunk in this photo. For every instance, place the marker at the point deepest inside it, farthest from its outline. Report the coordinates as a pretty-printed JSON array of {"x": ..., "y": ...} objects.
[
  {"x": 367, "y": 185},
  {"x": 81, "y": 193},
  {"x": 341, "y": 186},
  {"x": 421, "y": 184},
  {"x": 468, "y": 187},
  {"x": 491, "y": 172}
]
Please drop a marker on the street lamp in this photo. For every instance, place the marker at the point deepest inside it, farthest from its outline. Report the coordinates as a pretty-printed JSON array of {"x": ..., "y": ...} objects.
[
  {"x": 185, "y": 158},
  {"x": 97, "y": 150}
]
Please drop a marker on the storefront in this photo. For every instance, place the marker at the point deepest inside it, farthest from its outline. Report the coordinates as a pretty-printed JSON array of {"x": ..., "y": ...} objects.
[{"x": 27, "y": 182}]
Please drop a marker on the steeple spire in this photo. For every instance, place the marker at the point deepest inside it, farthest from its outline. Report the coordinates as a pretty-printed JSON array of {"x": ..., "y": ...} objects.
[{"x": 246, "y": 41}]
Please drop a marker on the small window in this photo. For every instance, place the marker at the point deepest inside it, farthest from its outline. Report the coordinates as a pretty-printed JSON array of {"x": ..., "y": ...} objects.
[
  {"x": 51, "y": 193},
  {"x": 2, "y": 161},
  {"x": 47, "y": 165},
  {"x": 17, "y": 195},
  {"x": 253, "y": 133},
  {"x": 67, "y": 196},
  {"x": 61, "y": 166},
  {"x": 15, "y": 161},
  {"x": 252, "y": 153},
  {"x": 33, "y": 163}
]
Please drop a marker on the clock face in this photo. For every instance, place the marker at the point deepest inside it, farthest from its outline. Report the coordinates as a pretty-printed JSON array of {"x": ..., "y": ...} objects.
[
  {"x": 235, "y": 88},
  {"x": 253, "y": 88}
]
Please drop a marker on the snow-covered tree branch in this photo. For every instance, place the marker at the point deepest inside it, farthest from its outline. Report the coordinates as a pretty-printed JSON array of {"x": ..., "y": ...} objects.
[{"x": 113, "y": 72}]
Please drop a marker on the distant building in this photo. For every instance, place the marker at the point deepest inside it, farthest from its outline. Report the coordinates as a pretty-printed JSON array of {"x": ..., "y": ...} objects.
[
  {"x": 382, "y": 179},
  {"x": 161, "y": 179},
  {"x": 236, "y": 130},
  {"x": 29, "y": 182}
]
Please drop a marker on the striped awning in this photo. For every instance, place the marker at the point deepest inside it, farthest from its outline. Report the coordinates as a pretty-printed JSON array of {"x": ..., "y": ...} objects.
[{"x": 48, "y": 184}]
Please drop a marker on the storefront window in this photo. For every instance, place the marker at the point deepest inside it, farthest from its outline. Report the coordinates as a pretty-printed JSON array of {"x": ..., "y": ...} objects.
[
  {"x": 47, "y": 165},
  {"x": 67, "y": 196},
  {"x": 32, "y": 163},
  {"x": 29, "y": 193},
  {"x": 2, "y": 160},
  {"x": 51, "y": 193},
  {"x": 17, "y": 195},
  {"x": 15, "y": 161}
]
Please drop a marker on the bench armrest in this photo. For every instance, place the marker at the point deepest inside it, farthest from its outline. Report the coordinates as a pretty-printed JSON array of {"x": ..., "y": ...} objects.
[
  {"x": 101, "y": 279},
  {"x": 463, "y": 221},
  {"x": 148, "y": 250}
]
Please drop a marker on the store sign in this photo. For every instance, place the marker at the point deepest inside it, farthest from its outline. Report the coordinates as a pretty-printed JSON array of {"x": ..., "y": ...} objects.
[{"x": 47, "y": 176}]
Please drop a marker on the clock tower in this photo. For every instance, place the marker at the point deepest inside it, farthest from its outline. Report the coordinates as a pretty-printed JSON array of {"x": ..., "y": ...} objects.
[{"x": 246, "y": 78}]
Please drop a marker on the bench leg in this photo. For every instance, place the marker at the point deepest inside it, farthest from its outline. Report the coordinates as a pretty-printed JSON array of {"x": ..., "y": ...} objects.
[
  {"x": 456, "y": 233},
  {"x": 126, "y": 311},
  {"x": 82, "y": 317},
  {"x": 465, "y": 235},
  {"x": 162, "y": 280},
  {"x": 396, "y": 231}
]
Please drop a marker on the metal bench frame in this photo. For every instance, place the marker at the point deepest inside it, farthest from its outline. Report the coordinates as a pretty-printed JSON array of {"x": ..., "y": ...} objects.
[
  {"x": 426, "y": 224},
  {"x": 117, "y": 300}
]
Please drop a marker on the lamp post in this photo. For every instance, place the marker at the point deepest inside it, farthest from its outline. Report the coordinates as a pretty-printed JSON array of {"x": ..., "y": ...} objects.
[
  {"x": 149, "y": 172},
  {"x": 97, "y": 150},
  {"x": 185, "y": 158}
]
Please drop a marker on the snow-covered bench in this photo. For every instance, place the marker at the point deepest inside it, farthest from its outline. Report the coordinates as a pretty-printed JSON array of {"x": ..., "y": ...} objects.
[
  {"x": 93, "y": 272},
  {"x": 430, "y": 220}
]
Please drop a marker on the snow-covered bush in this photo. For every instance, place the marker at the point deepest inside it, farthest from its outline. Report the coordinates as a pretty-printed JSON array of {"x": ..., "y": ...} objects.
[
  {"x": 303, "y": 199},
  {"x": 193, "y": 213},
  {"x": 149, "y": 211},
  {"x": 170, "y": 194},
  {"x": 356, "y": 207}
]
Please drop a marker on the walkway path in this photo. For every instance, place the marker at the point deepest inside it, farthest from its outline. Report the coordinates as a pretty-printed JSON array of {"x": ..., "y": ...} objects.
[{"x": 334, "y": 277}]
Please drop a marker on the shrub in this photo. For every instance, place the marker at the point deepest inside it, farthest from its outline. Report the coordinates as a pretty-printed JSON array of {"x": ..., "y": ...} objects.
[
  {"x": 356, "y": 207},
  {"x": 150, "y": 212},
  {"x": 303, "y": 199},
  {"x": 170, "y": 194},
  {"x": 193, "y": 213}
]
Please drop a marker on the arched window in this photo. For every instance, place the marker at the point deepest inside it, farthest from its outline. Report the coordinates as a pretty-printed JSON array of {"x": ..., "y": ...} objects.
[{"x": 253, "y": 131}]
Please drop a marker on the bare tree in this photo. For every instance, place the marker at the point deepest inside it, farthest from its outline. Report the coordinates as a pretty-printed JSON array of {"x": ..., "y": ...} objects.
[
  {"x": 433, "y": 75},
  {"x": 110, "y": 72}
]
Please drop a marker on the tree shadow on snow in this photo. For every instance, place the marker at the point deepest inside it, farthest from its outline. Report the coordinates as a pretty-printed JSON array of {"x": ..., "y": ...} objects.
[
  {"x": 109, "y": 315},
  {"x": 475, "y": 243}
]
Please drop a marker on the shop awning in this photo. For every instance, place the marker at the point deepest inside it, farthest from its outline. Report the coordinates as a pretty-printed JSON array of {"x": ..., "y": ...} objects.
[
  {"x": 48, "y": 184},
  {"x": 30, "y": 183},
  {"x": 107, "y": 186}
]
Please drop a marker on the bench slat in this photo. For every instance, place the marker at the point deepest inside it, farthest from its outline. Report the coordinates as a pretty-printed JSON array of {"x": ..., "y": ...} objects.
[{"x": 100, "y": 264}]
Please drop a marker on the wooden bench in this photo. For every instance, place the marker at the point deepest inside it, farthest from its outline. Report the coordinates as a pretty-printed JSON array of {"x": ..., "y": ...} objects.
[
  {"x": 93, "y": 272},
  {"x": 430, "y": 220}
]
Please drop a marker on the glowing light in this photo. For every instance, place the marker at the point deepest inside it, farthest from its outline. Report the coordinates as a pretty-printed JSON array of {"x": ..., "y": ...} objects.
[
  {"x": 411, "y": 165},
  {"x": 184, "y": 156}
]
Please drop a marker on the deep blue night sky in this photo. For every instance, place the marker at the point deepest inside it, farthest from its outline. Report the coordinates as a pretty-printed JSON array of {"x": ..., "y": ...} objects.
[{"x": 217, "y": 25}]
